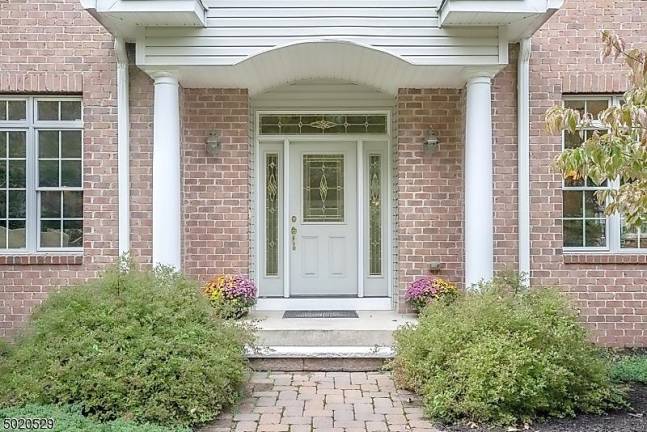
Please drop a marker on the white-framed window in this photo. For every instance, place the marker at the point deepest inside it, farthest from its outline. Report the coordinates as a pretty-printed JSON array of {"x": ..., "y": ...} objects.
[
  {"x": 584, "y": 224},
  {"x": 41, "y": 174}
]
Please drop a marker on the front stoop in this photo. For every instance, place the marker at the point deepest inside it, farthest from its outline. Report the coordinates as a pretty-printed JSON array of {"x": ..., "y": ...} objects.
[{"x": 329, "y": 344}]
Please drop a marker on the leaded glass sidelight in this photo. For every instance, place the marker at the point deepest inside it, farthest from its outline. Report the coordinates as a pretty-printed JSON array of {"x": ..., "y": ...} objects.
[
  {"x": 375, "y": 214},
  {"x": 323, "y": 188},
  {"x": 271, "y": 214}
]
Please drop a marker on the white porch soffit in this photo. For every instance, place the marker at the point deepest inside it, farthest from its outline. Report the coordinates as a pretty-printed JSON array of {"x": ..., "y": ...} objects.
[
  {"x": 517, "y": 19},
  {"x": 126, "y": 18},
  {"x": 261, "y": 44}
]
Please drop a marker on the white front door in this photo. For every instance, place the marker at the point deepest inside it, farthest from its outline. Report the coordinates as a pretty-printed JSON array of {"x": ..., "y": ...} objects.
[{"x": 322, "y": 185}]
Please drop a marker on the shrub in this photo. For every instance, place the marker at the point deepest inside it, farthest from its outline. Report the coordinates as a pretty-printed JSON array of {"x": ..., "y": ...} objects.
[
  {"x": 4, "y": 348},
  {"x": 631, "y": 368},
  {"x": 424, "y": 290},
  {"x": 231, "y": 296},
  {"x": 143, "y": 346},
  {"x": 498, "y": 356},
  {"x": 66, "y": 419}
]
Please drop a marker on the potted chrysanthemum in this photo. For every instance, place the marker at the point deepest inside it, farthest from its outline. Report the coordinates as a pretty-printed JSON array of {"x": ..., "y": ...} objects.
[
  {"x": 426, "y": 289},
  {"x": 231, "y": 295}
]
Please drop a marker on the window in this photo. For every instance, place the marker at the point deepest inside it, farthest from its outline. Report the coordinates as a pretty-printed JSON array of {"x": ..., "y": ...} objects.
[
  {"x": 41, "y": 165},
  {"x": 585, "y": 226}
]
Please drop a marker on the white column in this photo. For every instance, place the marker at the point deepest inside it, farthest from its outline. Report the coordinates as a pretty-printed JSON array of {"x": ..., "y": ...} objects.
[
  {"x": 166, "y": 173},
  {"x": 479, "y": 237}
]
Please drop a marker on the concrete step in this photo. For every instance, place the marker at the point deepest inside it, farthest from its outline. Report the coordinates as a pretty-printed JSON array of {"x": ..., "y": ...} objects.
[
  {"x": 371, "y": 329},
  {"x": 328, "y": 344}
]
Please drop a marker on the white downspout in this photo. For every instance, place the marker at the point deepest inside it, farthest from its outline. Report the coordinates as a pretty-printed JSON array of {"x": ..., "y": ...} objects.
[
  {"x": 123, "y": 145},
  {"x": 523, "y": 155}
]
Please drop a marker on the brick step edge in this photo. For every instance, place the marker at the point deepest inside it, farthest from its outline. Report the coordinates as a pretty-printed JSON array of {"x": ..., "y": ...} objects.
[
  {"x": 317, "y": 364},
  {"x": 320, "y": 352}
]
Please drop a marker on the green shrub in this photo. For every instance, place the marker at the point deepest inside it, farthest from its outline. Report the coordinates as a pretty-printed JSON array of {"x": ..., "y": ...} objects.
[
  {"x": 4, "y": 348},
  {"x": 631, "y": 368},
  {"x": 67, "y": 419},
  {"x": 142, "y": 346},
  {"x": 502, "y": 356}
]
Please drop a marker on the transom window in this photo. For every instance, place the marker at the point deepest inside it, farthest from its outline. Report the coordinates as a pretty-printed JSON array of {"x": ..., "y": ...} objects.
[
  {"x": 330, "y": 124},
  {"x": 41, "y": 182},
  {"x": 585, "y": 226}
]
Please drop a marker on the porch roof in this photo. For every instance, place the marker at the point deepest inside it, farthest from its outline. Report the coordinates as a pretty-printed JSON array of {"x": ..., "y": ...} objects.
[{"x": 386, "y": 44}]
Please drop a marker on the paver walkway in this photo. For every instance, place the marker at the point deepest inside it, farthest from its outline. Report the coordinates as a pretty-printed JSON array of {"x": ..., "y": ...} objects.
[{"x": 324, "y": 402}]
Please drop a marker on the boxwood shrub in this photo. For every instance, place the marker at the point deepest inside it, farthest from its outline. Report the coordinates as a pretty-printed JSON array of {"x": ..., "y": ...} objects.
[
  {"x": 502, "y": 356},
  {"x": 135, "y": 345},
  {"x": 67, "y": 419}
]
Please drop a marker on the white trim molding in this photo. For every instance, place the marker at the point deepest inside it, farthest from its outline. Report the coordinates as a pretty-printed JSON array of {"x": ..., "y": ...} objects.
[
  {"x": 167, "y": 228},
  {"x": 479, "y": 227},
  {"x": 123, "y": 145},
  {"x": 523, "y": 155}
]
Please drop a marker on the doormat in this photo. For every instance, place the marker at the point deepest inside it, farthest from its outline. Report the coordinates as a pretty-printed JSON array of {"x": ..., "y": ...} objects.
[{"x": 320, "y": 314}]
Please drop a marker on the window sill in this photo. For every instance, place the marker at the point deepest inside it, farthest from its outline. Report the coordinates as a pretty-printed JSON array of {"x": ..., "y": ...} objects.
[
  {"x": 42, "y": 259},
  {"x": 604, "y": 258}
]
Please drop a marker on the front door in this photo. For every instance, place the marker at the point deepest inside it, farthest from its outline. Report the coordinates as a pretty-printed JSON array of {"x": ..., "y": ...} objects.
[{"x": 322, "y": 216}]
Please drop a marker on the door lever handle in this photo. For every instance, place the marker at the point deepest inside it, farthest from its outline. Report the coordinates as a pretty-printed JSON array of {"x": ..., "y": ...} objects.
[{"x": 293, "y": 231}]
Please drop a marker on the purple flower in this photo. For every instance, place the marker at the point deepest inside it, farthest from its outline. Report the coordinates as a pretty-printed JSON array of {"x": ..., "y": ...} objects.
[
  {"x": 239, "y": 287},
  {"x": 421, "y": 288}
]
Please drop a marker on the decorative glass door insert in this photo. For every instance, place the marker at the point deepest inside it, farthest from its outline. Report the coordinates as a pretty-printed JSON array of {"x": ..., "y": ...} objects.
[
  {"x": 375, "y": 214},
  {"x": 328, "y": 124},
  {"x": 323, "y": 188},
  {"x": 272, "y": 214}
]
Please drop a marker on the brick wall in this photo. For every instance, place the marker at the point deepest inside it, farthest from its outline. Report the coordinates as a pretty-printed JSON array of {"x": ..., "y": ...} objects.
[
  {"x": 611, "y": 291},
  {"x": 53, "y": 46},
  {"x": 430, "y": 186},
  {"x": 504, "y": 164},
  {"x": 215, "y": 204},
  {"x": 141, "y": 166}
]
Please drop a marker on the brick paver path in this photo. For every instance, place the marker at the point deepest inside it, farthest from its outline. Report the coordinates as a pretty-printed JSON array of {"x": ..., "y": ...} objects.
[{"x": 324, "y": 402}]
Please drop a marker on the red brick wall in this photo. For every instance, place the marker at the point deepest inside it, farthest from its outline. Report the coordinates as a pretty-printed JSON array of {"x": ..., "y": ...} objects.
[
  {"x": 53, "y": 46},
  {"x": 141, "y": 166},
  {"x": 504, "y": 163},
  {"x": 430, "y": 186},
  {"x": 612, "y": 295},
  {"x": 215, "y": 204}
]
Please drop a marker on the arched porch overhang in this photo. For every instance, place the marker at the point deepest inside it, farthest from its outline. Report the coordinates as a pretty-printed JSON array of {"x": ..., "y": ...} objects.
[{"x": 324, "y": 59}]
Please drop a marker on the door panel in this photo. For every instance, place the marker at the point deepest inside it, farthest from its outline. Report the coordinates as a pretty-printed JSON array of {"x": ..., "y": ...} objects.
[
  {"x": 310, "y": 256},
  {"x": 323, "y": 218}
]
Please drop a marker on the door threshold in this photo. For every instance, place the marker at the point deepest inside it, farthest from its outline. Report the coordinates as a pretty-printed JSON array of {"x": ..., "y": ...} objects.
[{"x": 325, "y": 303}]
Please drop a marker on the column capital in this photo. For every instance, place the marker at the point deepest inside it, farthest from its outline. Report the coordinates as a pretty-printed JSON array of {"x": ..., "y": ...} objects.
[
  {"x": 164, "y": 78},
  {"x": 478, "y": 75},
  {"x": 479, "y": 79}
]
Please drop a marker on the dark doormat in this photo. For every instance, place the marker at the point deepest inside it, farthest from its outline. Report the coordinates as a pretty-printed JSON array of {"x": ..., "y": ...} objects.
[{"x": 320, "y": 314}]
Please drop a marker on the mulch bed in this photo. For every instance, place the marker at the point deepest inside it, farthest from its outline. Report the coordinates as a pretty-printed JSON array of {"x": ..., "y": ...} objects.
[{"x": 634, "y": 420}]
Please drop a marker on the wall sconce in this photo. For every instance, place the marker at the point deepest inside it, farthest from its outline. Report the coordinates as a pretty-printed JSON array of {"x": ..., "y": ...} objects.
[
  {"x": 431, "y": 142},
  {"x": 213, "y": 143}
]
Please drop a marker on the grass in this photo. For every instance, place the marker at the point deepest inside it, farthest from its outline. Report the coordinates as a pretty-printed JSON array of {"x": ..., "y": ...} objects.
[
  {"x": 630, "y": 368},
  {"x": 67, "y": 419}
]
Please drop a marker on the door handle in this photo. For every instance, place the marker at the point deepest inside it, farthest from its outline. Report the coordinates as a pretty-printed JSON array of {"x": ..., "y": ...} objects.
[{"x": 293, "y": 231}]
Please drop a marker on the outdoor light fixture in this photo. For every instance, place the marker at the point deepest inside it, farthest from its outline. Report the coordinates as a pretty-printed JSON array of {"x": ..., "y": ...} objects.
[
  {"x": 431, "y": 142},
  {"x": 213, "y": 143}
]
